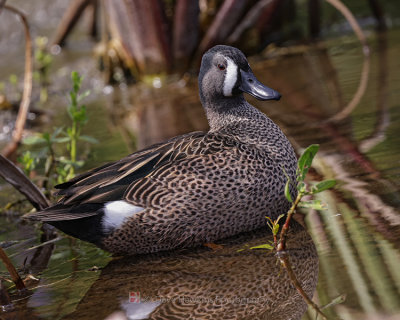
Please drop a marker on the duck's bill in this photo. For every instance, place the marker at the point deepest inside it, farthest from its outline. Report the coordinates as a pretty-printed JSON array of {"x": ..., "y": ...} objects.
[{"x": 252, "y": 86}]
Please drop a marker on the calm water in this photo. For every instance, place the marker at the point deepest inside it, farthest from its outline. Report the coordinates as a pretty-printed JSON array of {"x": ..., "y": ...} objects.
[{"x": 357, "y": 238}]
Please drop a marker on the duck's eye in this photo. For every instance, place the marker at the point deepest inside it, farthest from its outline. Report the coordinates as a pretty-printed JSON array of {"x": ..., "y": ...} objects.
[{"x": 221, "y": 66}]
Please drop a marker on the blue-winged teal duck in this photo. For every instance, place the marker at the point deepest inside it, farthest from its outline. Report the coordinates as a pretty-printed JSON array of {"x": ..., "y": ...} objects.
[{"x": 192, "y": 189}]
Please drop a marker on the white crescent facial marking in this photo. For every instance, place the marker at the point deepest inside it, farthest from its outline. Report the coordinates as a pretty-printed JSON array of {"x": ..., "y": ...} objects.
[
  {"x": 115, "y": 212},
  {"x": 230, "y": 77}
]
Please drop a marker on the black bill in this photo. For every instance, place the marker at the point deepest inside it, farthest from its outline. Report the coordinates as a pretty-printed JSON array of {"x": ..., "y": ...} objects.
[{"x": 252, "y": 86}]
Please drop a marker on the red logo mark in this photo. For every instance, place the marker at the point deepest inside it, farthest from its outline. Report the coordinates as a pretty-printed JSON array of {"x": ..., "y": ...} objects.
[{"x": 134, "y": 297}]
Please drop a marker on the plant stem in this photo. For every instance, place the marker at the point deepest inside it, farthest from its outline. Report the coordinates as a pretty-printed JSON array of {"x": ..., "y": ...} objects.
[
  {"x": 285, "y": 262},
  {"x": 284, "y": 258},
  {"x": 11, "y": 269},
  {"x": 73, "y": 142},
  {"x": 74, "y": 135},
  {"x": 285, "y": 228}
]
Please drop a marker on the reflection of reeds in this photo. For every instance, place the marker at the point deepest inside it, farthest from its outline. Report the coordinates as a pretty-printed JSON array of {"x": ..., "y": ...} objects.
[
  {"x": 382, "y": 112},
  {"x": 338, "y": 232},
  {"x": 369, "y": 255},
  {"x": 371, "y": 263}
]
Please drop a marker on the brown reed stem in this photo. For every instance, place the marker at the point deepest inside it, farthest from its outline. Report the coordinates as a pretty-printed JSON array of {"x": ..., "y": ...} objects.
[
  {"x": 12, "y": 271},
  {"x": 10, "y": 149},
  {"x": 285, "y": 228}
]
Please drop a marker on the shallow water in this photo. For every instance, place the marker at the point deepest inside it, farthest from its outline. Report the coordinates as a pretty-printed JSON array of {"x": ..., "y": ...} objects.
[{"x": 357, "y": 237}]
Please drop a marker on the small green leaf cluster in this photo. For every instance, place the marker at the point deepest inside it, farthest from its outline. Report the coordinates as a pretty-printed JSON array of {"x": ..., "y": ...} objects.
[
  {"x": 64, "y": 165},
  {"x": 274, "y": 224},
  {"x": 28, "y": 162},
  {"x": 303, "y": 165}
]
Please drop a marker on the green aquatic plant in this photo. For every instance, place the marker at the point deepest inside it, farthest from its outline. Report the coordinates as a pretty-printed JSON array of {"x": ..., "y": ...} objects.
[
  {"x": 303, "y": 189},
  {"x": 65, "y": 162},
  {"x": 28, "y": 162},
  {"x": 78, "y": 116},
  {"x": 280, "y": 232},
  {"x": 43, "y": 61}
]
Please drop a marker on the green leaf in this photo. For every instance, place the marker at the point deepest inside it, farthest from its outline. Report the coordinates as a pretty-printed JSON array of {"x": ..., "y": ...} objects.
[
  {"x": 335, "y": 301},
  {"x": 275, "y": 229},
  {"x": 28, "y": 162},
  {"x": 271, "y": 226},
  {"x": 79, "y": 163},
  {"x": 287, "y": 192},
  {"x": 62, "y": 139},
  {"x": 313, "y": 204},
  {"x": 323, "y": 185},
  {"x": 56, "y": 132},
  {"x": 88, "y": 139},
  {"x": 68, "y": 162},
  {"x": 305, "y": 161},
  {"x": 263, "y": 246},
  {"x": 301, "y": 187},
  {"x": 83, "y": 95},
  {"x": 80, "y": 115},
  {"x": 35, "y": 139},
  {"x": 76, "y": 80},
  {"x": 46, "y": 136}
]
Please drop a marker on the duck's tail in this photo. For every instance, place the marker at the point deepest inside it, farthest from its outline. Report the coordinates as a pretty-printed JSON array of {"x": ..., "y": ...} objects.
[{"x": 83, "y": 222}]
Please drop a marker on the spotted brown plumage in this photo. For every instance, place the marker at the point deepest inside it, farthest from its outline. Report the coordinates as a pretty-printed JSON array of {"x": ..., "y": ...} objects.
[{"x": 194, "y": 188}]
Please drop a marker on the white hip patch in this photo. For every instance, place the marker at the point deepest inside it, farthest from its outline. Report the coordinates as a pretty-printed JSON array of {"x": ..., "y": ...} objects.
[
  {"x": 230, "y": 77},
  {"x": 115, "y": 213}
]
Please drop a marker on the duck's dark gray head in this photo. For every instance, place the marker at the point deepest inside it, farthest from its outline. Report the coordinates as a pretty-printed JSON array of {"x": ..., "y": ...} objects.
[{"x": 225, "y": 73}]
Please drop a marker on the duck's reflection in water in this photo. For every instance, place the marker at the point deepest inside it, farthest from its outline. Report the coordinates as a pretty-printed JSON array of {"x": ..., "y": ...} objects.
[{"x": 228, "y": 283}]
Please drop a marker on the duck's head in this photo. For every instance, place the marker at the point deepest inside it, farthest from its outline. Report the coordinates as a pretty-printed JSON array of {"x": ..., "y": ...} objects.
[{"x": 225, "y": 73}]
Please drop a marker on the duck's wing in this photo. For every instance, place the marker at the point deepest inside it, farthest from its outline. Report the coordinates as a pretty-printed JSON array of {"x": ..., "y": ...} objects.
[{"x": 85, "y": 194}]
